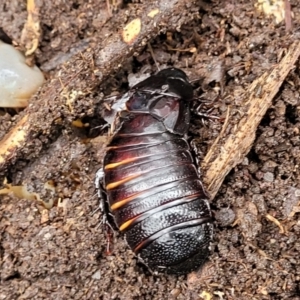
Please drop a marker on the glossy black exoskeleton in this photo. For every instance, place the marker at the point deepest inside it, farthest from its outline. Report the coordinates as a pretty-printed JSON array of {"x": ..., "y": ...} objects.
[{"x": 151, "y": 183}]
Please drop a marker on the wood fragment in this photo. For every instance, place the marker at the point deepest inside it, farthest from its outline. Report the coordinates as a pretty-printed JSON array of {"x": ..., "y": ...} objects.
[
  {"x": 288, "y": 16},
  {"x": 131, "y": 31},
  {"x": 13, "y": 140},
  {"x": 50, "y": 110},
  {"x": 276, "y": 222},
  {"x": 31, "y": 31},
  {"x": 227, "y": 152},
  {"x": 275, "y": 8}
]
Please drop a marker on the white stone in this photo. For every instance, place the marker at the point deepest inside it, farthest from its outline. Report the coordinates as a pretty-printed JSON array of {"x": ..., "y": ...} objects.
[{"x": 18, "y": 81}]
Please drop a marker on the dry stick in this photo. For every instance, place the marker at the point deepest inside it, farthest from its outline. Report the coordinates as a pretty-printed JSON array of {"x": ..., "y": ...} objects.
[
  {"x": 231, "y": 149},
  {"x": 31, "y": 31},
  {"x": 288, "y": 15},
  {"x": 65, "y": 97}
]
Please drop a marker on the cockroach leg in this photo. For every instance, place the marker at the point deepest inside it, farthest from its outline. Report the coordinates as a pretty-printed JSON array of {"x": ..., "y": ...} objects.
[{"x": 107, "y": 227}]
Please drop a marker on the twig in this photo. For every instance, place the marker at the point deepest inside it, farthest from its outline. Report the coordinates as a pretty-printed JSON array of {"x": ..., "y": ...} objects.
[
  {"x": 288, "y": 15},
  {"x": 227, "y": 153}
]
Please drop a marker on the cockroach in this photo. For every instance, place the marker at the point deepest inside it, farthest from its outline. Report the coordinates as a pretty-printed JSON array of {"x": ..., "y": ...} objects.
[{"x": 149, "y": 179}]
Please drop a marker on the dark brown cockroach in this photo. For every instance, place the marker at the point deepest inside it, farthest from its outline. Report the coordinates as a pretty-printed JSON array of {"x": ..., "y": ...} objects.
[{"x": 149, "y": 177}]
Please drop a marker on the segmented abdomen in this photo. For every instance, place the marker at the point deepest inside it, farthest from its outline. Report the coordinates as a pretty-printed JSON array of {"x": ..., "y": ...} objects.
[{"x": 156, "y": 196}]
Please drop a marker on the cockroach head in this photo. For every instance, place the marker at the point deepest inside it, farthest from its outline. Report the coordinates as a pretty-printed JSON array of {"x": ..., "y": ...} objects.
[
  {"x": 177, "y": 81},
  {"x": 173, "y": 73}
]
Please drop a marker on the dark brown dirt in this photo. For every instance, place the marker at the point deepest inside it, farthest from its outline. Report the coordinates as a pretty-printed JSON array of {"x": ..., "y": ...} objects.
[{"x": 60, "y": 253}]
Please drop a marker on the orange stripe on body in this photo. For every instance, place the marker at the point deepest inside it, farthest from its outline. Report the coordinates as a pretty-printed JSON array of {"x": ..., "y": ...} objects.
[
  {"x": 113, "y": 185},
  {"x": 122, "y": 147},
  {"x": 140, "y": 245},
  {"x": 127, "y": 224},
  {"x": 121, "y": 203},
  {"x": 161, "y": 207},
  {"x": 123, "y": 162}
]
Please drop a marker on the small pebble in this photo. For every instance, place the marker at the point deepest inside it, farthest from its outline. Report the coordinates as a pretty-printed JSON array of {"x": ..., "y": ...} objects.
[
  {"x": 269, "y": 177},
  {"x": 97, "y": 275},
  {"x": 225, "y": 216},
  {"x": 18, "y": 81}
]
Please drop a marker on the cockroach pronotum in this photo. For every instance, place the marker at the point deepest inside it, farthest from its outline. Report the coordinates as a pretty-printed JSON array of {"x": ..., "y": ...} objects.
[{"x": 149, "y": 178}]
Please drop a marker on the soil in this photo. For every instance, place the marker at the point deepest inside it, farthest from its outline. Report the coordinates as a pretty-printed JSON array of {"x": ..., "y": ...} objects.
[{"x": 60, "y": 252}]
